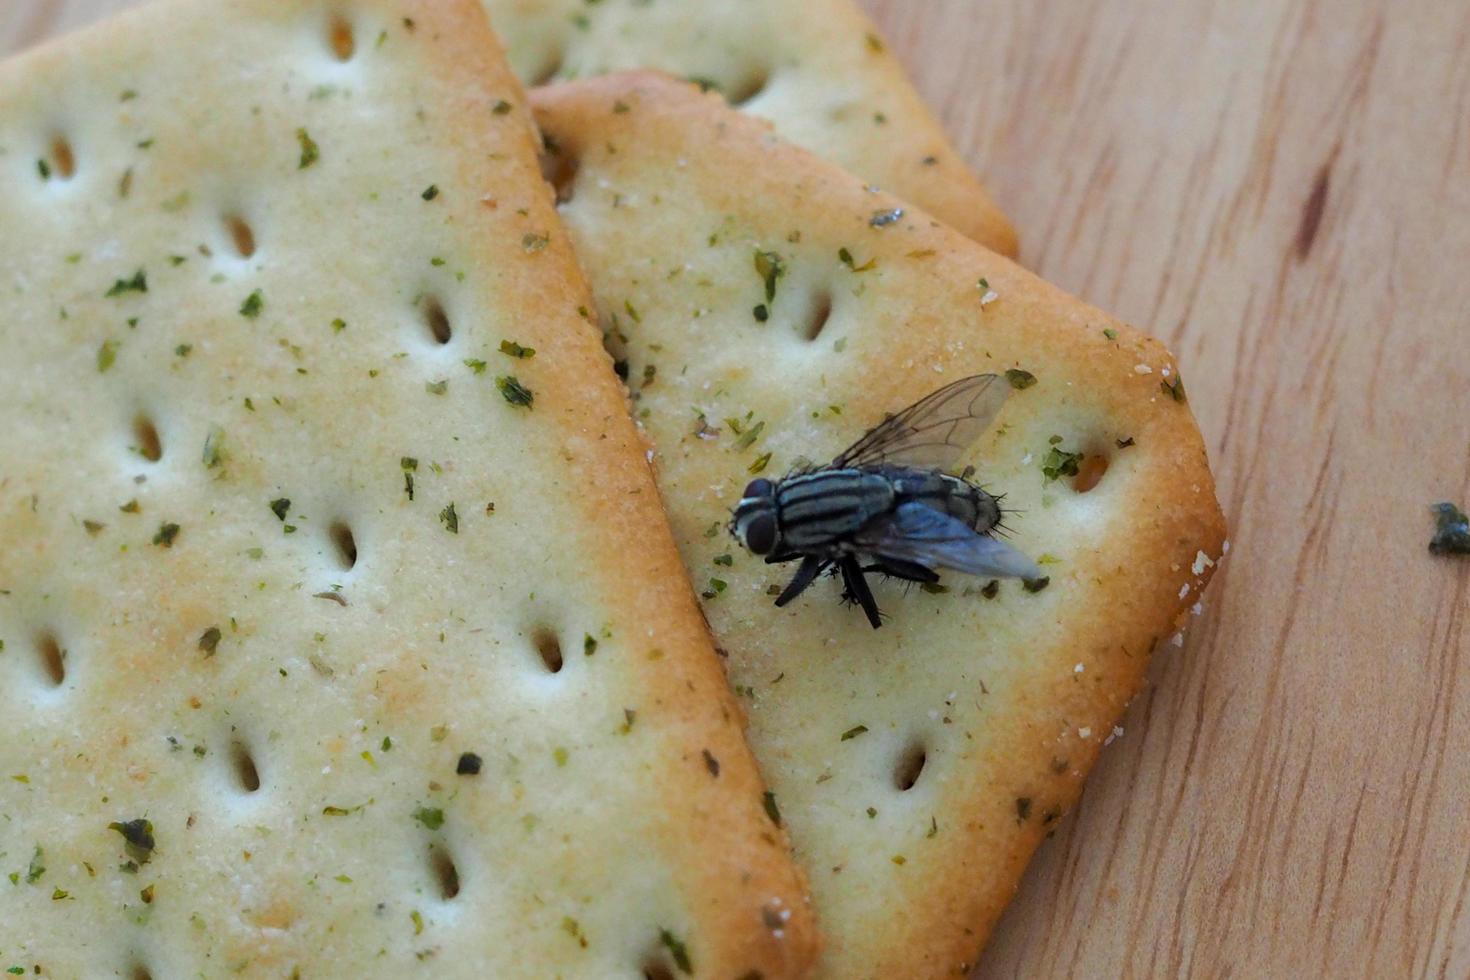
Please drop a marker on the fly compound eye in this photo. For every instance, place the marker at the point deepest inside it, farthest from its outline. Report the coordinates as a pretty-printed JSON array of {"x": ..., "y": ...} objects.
[
  {"x": 760, "y": 533},
  {"x": 758, "y": 488}
]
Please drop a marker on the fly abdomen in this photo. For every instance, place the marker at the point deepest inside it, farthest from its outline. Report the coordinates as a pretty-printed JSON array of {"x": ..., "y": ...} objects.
[
  {"x": 819, "y": 509},
  {"x": 950, "y": 495}
]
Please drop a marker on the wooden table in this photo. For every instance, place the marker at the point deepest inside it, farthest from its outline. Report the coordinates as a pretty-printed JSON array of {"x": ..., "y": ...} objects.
[{"x": 1281, "y": 189}]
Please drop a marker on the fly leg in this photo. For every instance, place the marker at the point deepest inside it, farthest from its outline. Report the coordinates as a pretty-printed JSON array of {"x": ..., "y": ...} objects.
[
  {"x": 810, "y": 568},
  {"x": 856, "y": 588},
  {"x": 907, "y": 570}
]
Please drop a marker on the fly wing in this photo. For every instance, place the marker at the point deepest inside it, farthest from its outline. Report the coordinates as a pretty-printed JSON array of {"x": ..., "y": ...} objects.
[
  {"x": 935, "y": 430},
  {"x": 921, "y": 534}
]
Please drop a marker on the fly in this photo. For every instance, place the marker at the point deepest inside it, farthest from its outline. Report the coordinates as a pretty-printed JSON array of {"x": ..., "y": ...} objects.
[{"x": 886, "y": 505}]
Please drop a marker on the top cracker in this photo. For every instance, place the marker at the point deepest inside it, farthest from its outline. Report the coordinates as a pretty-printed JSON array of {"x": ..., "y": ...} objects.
[
  {"x": 343, "y": 634},
  {"x": 767, "y": 309},
  {"x": 817, "y": 69}
]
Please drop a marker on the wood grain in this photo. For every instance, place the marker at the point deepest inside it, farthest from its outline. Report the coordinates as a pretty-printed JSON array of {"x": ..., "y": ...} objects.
[{"x": 1281, "y": 189}]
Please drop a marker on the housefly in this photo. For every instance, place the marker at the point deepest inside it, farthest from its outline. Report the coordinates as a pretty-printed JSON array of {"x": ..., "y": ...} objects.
[{"x": 886, "y": 505}]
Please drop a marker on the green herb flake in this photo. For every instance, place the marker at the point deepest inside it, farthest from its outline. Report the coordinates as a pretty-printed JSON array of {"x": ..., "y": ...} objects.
[
  {"x": 437, "y": 387},
  {"x": 845, "y": 256},
  {"x": 716, "y": 586},
  {"x": 214, "y": 447},
  {"x": 106, "y": 355},
  {"x": 138, "y": 835},
  {"x": 589, "y": 644},
  {"x": 501, "y": 107},
  {"x": 254, "y": 303},
  {"x": 209, "y": 641},
  {"x": 309, "y": 151},
  {"x": 137, "y": 284},
  {"x": 449, "y": 519},
  {"x": 760, "y": 463},
  {"x": 535, "y": 241},
  {"x": 341, "y": 811},
  {"x": 1058, "y": 463},
  {"x": 991, "y": 589},
  {"x": 1451, "y": 530},
  {"x": 166, "y": 535},
  {"x": 475, "y": 364},
  {"x": 16, "y": 970},
  {"x": 1173, "y": 388},
  {"x": 37, "y": 867},
  {"x": 677, "y": 950},
  {"x": 183, "y": 350},
  {"x": 1036, "y": 584},
  {"x": 59, "y": 894},
  {"x": 854, "y": 732},
  {"x": 875, "y": 43},
  {"x": 899, "y": 860},
  {"x": 882, "y": 219},
  {"x": 772, "y": 811},
  {"x": 93, "y": 528},
  {"x": 430, "y": 192},
  {"x": 431, "y": 817},
  {"x": 1110, "y": 333},
  {"x": 280, "y": 506},
  {"x": 872, "y": 812},
  {"x": 514, "y": 392},
  {"x": 761, "y": 313},
  {"x": 1019, "y": 379},
  {"x": 512, "y": 349},
  {"x": 933, "y": 827},
  {"x": 469, "y": 764},
  {"x": 726, "y": 559},
  {"x": 770, "y": 267},
  {"x": 44, "y": 169},
  {"x": 418, "y": 922},
  {"x": 1023, "y": 808},
  {"x": 748, "y": 438}
]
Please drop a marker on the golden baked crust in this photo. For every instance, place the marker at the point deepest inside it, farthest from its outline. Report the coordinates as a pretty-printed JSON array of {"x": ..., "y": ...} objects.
[
  {"x": 817, "y": 69},
  {"x": 993, "y": 709},
  {"x": 279, "y": 550}
]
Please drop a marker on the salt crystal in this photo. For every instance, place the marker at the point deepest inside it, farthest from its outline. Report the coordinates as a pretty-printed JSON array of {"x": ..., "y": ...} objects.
[
  {"x": 1184, "y": 590},
  {"x": 1142, "y": 369},
  {"x": 1201, "y": 562},
  {"x": 1078, "y": 669},
  {"x": 1084, "y": 733}
]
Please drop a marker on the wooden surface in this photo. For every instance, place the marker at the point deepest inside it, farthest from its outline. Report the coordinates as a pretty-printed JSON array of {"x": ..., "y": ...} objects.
[{"x": 1280, "y": 189}]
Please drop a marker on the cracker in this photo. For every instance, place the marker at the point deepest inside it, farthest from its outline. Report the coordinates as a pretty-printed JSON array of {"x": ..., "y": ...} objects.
[
  {"x": 817, "y": 69},
  {"x": 920, "y": 764},
  {"x": 401, "y": 670}
]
